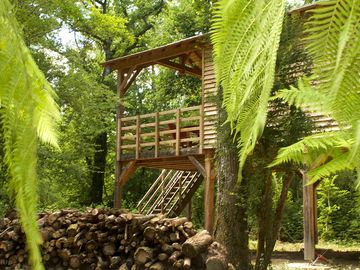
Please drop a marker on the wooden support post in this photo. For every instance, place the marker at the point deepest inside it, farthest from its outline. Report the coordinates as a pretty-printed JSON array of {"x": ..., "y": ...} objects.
[
  {"x": 118, "y": 165},
  {"x": 177, "y": 150},
  {"x": 316, "y": 212},
  {"x": 209, "y": 191},
  {"x": 309, "y": 205},
  {"x": 202, "y": 115},
  {"x": 126, "y": 172}
]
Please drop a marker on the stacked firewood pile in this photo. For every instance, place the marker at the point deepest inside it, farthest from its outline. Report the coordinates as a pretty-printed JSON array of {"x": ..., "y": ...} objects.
[{"x": 112, "y": 239}]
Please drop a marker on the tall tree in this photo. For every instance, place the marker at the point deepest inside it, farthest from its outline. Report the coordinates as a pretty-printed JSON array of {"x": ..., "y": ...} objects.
[{"x": 116, "y": 28}]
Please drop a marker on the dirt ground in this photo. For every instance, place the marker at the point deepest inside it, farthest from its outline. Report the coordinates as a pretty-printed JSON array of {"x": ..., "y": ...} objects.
[
  {"x": 289, "y": 256},
  {"x": 329, "y": 259}
]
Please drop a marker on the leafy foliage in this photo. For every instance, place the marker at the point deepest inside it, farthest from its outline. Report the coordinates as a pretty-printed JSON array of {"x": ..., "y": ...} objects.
[
  {"x": 246, "y": 36},
  {"x": 338, "y": 204},
  {"x": 333, "y": 43},
  {"x": 28, "y": 112}
]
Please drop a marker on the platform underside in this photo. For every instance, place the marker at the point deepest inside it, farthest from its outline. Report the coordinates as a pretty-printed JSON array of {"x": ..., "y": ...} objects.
[{"x": 181, "y": 163}]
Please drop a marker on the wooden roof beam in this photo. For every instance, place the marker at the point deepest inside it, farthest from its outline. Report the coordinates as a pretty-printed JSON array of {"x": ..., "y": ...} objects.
[
  {"x": 168, "y": 51},
  {"x": 196, "y": 72}
]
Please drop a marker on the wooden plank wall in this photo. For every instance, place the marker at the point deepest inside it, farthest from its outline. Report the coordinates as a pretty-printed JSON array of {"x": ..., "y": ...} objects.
[{"x": 209, "y": 96}]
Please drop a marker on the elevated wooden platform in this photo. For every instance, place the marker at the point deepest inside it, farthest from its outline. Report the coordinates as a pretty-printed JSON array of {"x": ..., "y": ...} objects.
[{"x": 181, "y": 139}]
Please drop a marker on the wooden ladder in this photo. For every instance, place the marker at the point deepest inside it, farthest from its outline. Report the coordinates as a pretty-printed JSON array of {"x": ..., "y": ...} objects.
[{"x": 170, "y": 193}]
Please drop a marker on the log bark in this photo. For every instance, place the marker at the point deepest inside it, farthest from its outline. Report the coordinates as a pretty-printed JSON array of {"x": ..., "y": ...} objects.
[{"x": 197, "y": 244}]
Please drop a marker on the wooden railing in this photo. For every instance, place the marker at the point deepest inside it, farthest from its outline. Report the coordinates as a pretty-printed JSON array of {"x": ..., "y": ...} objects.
[{"x": 172, "y": 131}]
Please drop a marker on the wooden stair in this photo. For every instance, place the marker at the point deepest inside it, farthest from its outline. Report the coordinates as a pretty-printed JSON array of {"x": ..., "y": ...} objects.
[{"x": 170, "y": 193}]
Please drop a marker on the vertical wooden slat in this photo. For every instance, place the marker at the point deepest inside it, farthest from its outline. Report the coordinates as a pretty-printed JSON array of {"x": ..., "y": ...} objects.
[
  {"x": 157, "y": 137},
  {"x": 201, "y": 127},
  {"x": 202, "y": 77},
  {"x": 138, "y": 132},
  {"x": 177, "y": 132}
]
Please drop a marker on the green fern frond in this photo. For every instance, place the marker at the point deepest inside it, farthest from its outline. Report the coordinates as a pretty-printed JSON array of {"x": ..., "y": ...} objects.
[
  {"x": 304, "y": 97},
  {"x": 337, "y": 163},
  {"x": 28, "y": 112},
  {"x": 333, "y": 42},
  {"x": 314, "y": 147},
  {"x": 245, "y": 36}
]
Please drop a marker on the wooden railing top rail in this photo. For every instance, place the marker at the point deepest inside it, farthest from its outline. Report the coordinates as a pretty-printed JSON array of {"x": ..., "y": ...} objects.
[{"x": 142, "y": 116}]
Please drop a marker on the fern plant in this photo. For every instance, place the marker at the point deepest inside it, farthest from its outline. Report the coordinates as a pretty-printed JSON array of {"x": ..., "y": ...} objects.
[
  {"x": 28, "y": 112},
  {"x": 245, "y": 36},
  {"x": 333, "y": 42}
]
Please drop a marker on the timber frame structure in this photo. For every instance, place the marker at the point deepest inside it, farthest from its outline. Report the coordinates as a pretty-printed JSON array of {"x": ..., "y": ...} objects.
[{"x": 182, "y": 139}]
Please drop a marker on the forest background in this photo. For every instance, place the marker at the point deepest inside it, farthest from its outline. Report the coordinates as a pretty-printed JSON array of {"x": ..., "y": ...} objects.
[{"x": 81, "y": 172}]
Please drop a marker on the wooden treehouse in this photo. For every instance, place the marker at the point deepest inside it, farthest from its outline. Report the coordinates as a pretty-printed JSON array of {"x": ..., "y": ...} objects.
[
  {"x": 182, "y": 141},
  {"x": 179, "y": 141}
]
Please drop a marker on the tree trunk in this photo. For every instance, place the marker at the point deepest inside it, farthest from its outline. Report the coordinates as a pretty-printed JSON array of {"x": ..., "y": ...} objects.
[
  {"x": 231, "y": 226},
  {"x": 278, "y": 215},
  {"x": 270, "y": 222},
  {"x": 264, "y": 221},
  {"x": 99, "y": 165}
]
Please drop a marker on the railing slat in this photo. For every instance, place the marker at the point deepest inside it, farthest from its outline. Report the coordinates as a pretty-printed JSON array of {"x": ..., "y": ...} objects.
[
  {"x": 129, "y": 146},
  {"x": 138, "y": 131},
  {"x": 177, "y": 150},
  {"x": 193, "y": 108},
  {"x": 192, "y": 118},
  {"x": 157, "y": 137},
  {"x": 193, "y": 139}
]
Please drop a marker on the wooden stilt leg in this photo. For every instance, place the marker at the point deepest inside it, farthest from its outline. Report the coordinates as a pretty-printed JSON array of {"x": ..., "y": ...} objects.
[
  {"x": 309, "y": 219},
  {"x": 126, "y": 172},
  {"x": 209, "y": 192},
  {"x": 118, "y": 163},
  {"x": 117, "y": 187}
]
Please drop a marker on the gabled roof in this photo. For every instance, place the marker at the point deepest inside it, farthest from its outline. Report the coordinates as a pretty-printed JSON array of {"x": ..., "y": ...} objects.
[{"x": 189, "y": 47}]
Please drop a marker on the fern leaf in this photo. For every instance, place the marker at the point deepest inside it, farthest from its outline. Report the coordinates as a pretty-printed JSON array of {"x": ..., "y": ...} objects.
[
  {"x": 28, "y": 112},
  {"x": 309, "y": 149},
  {"x": 333, "y": 43},
  {"x": 245, "y": 35}
]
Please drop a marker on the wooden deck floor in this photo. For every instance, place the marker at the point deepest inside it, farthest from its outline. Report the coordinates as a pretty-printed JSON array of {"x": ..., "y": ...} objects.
[{"x": 181, "y": 163}]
